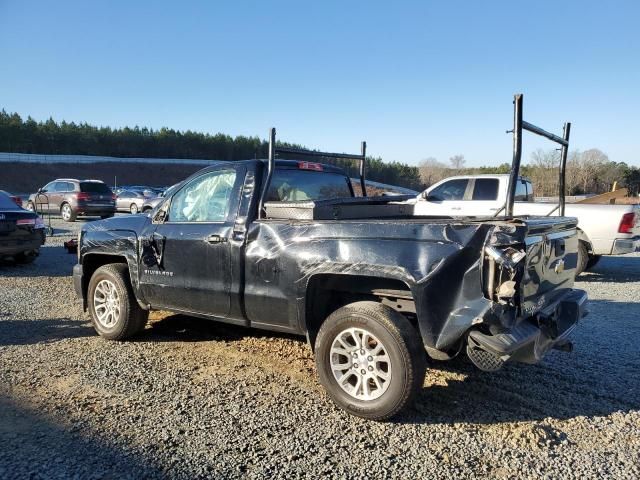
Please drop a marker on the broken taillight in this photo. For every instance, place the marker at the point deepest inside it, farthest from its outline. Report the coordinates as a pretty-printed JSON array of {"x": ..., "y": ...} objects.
[
  {"x": 317, "y": 167},
  {"x": 627, "y": 223}
]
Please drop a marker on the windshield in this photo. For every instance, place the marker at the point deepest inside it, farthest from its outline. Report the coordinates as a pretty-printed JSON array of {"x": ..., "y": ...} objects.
[
  {"x": 94, "y": 187},
  {"x": 301, "y": 185}
]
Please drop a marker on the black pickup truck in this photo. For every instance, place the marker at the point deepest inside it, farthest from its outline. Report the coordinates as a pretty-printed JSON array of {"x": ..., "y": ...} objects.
[{"x": 285, "y": 245}]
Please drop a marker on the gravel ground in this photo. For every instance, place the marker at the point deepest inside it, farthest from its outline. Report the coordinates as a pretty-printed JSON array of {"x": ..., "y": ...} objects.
[{"x": 194, "y": 399}]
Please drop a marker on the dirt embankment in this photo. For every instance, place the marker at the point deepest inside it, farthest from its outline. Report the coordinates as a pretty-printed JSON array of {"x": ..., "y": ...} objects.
[{"x": 19, "y": 177}]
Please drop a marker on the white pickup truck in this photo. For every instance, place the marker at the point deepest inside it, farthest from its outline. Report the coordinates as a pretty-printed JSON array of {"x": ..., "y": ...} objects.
[{"x": 603, "y": 229}]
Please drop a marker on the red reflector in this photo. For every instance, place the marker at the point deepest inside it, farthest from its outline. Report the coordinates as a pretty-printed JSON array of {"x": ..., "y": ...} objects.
[
  {"x": 310, "y": 166},
  {"x": 627, "y": 223},
  {"x": 83, "y": 196},
  {"x": 26, "y": 221}
]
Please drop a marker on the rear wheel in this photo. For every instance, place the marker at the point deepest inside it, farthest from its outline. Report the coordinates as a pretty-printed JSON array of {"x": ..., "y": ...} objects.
[
  {"x": 583, "y": 257},
  {"x": 370, "y": 360},
  {"x": 67, "y": 213},
  {"x": 133, "y": 208},
  {"x": 114, "y": 310}
]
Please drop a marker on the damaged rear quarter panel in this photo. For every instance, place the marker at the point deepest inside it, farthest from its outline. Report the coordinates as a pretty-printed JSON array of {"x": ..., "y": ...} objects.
[{"x": 439, "y": 261}]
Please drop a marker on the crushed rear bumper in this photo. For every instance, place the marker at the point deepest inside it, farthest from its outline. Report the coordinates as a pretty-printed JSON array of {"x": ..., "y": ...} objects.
[{"x": 531, "y": 339}]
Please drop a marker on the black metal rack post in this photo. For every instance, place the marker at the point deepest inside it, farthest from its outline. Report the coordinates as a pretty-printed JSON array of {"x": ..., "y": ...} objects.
[
  {"x": 518, "y": 125},
  {"x": 273, "y": 151}
]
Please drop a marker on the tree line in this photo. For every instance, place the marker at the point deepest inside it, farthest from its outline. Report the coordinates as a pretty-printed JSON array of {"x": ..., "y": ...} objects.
[
  {"x": 589, "y": 171},
  {"x": 68, "y": 138}
]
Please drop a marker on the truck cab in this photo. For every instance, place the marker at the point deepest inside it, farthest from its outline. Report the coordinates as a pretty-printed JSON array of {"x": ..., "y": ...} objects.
[{"x": 473, "y": 195}]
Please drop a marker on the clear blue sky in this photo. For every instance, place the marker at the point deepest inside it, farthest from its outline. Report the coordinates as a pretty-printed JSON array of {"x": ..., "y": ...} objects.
[{"x": 414, "y": 79}]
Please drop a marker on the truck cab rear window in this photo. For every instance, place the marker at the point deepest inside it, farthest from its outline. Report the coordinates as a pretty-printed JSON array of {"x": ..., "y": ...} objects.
[
  {"x": 94, "y": 187},
  {"x": 304, "y": 185}
]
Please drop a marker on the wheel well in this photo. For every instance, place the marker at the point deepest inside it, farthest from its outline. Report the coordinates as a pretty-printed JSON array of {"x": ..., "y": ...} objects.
[
  {"x": 326, "y": 293},
  {"x": 582, "y": 237},
  {"x": 92, "y": 262}
]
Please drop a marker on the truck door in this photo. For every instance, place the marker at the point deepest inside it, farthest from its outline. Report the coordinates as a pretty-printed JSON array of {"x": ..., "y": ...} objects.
[
  {"x": 447, "y": 199},
  {"x": 484, "y": 197},
  {"x": 189, "y": 242}
]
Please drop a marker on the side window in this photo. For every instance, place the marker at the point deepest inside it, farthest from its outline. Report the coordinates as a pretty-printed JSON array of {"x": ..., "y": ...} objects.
[
  {"x": 451, "y": 190},
  {"x": 49, "y": 187},
  {"x": 529, "y": 191},
  {"x": 204, "y": 199},
  {"x": 521, "y": 191},
  {"x": 485, "y": 189},
  {"x": 71, "y": 187},
  {"x": 57, "y": 186}
]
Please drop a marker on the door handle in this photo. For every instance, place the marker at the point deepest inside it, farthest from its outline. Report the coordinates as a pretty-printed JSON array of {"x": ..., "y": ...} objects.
[{"x": 215, "y": 239}]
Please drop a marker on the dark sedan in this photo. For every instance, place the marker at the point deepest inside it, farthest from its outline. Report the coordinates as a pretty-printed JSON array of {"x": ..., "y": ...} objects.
[{"x": 21, "y": 232}]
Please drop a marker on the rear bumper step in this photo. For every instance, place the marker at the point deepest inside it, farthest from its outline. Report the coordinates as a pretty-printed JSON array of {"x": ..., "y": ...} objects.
[{"x": 529, "y": 340}]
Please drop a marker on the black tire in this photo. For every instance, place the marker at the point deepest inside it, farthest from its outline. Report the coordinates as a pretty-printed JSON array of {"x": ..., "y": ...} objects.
[
  {"x": 403, "y": 347},
  {"x": 131, "y": 319},
  {"x": 26, "y": 257},
  {"x": 67, "y": 213},
  {"x": 583, "y": 257},
  {"x": 133, "y": 209},
  {"x": 593, "y": 260}
]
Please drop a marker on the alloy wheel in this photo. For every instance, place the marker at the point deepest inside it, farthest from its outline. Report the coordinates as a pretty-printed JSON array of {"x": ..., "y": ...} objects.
[{"x": 360, "y": 364}]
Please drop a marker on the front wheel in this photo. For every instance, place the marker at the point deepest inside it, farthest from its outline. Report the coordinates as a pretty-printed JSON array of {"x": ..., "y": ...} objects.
[
  {"x": 114, "y": 309},
  {"x": 67, "y": 213},
  {"x": 133, "y": 208},
  {"x": 370, "y": 360}
]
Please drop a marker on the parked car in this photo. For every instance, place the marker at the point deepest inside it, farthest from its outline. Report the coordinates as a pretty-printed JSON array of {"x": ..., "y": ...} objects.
[
  {"x": 22, "y": 233},
  {"x": 16, "y": 199},
  {"x": 72, "y": 197},
  {"x": 130, "y": 201},
  {"x": 602, "y": 229},
  {"x": 145, "y": 190},
  {"x": 152, "y": 202},
  {"x": 284, "y": 245}
]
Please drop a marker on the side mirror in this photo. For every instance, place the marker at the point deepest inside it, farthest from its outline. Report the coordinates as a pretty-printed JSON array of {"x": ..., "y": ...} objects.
[{"x": 41, "y": 190}]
